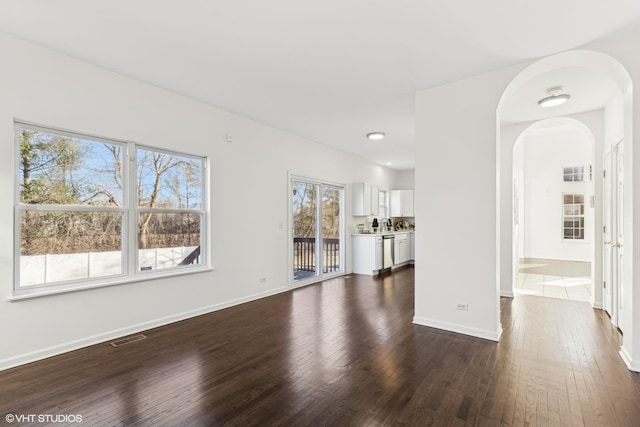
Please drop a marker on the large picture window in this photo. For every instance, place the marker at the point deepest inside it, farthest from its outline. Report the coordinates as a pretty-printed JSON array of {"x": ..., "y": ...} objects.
[{"x": 92, "y": 211}]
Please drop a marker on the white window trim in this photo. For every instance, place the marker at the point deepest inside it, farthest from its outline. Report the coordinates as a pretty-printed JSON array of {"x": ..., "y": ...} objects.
[{"x": 129, "y": 210}]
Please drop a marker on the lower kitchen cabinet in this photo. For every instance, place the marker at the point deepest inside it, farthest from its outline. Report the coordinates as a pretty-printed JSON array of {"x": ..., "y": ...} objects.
[
  {"x": 367, "y": 253},
  {"x": 412, "y": 240},
  {"x": 402, "y": 249}
]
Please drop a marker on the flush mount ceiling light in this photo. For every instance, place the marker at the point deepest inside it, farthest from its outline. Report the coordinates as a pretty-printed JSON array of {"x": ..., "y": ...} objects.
[
  {"x": 375, "y": 135},
  {"x": 555, "y": 97}
]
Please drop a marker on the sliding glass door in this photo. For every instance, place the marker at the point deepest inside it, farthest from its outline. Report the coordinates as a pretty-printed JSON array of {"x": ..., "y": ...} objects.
[{"x": 317, "y": 228}]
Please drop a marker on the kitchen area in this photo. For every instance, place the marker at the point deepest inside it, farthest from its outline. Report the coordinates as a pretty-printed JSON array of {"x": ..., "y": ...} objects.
[{"x": 383, "y": 238}]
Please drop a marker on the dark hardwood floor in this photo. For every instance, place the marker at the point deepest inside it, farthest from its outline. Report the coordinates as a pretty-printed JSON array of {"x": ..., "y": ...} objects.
[{"x": 343, "y": 352}]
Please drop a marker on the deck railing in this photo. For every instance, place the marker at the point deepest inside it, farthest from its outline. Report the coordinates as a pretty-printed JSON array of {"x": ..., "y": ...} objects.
[
  {"x": 304, "y": 254},
  {"x": 192, "y": 258}
]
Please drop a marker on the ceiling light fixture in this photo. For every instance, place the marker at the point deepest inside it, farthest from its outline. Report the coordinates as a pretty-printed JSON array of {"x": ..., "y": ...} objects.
[
  {"x": 375, "y": 135},
  {"x": 555, "y": 97}
]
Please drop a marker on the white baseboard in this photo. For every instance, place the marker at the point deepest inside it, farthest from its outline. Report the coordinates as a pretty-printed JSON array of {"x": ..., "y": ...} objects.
[
  {"x": 626, "y": 357},
  {"x": 460, "y": 329},
  {"x": 44, "y": 353},
  {"x": 508, "y": 294},
  {"x": 597, "y": 305}
]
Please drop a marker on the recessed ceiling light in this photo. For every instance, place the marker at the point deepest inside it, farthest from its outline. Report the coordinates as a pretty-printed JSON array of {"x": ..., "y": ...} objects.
[
  {"x": 388, "y": 163},
  {"x": 375, "y": 135},
  {"x": 555, "y": 97}
]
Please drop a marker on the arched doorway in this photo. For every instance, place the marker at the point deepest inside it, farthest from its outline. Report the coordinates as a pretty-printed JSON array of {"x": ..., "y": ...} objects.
[{"x": 610, "y": 112}]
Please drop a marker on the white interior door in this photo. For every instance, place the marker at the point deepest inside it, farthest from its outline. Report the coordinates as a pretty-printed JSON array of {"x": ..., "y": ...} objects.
[
  {"x": 618, "y": 244},
  {"x": 607, "y": 238},
  {"x": 613, "y": 237}
]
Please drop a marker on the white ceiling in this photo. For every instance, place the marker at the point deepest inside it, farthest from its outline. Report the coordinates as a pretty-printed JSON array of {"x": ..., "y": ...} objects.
[{"x": 331, "y": 70}]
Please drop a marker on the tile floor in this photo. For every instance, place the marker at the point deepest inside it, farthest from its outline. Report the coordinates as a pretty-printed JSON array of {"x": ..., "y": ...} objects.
[{"x": 553, "y": 278}]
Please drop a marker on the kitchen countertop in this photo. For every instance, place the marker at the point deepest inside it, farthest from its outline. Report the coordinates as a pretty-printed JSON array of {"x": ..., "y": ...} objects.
[{"x": 384, "y": 233}]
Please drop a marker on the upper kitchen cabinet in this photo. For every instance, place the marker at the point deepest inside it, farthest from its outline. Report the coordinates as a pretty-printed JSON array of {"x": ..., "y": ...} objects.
[
  {"x": 365, "y": 199},
  {"x": 401, "y": 203}
]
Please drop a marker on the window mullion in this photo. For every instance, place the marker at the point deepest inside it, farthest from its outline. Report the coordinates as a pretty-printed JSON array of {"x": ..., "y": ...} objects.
[
  {"x": 170, "y": 210},
  {"x": 131, "y": 247},
  {"x": 69, "y": 208}
]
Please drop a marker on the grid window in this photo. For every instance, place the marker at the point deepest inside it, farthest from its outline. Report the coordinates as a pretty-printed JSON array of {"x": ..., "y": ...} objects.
[
  {"x": 92, "y": 211},
  {"x": 576, "y": 174},
  {"x": 383, "y": 202},
  {"x": 573, "y": 216}
]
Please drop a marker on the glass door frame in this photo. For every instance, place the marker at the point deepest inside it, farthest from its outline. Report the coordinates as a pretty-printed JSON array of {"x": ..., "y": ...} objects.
[{"x": 320, "y": 275}]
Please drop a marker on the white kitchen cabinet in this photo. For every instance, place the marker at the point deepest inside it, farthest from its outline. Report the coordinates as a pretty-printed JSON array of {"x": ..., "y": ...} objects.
[
  {"x": 402, "y": 248},
  {"x": 396, "y": 251},
  {"x": 407, "y": 203},
  {"x": 365, "y": 199},
  {"x": 412, "y": 244},
  {"x": 405, "y": 251},
  {"x": 401, "y": 203},
  {"x": 367, "y": 253}
]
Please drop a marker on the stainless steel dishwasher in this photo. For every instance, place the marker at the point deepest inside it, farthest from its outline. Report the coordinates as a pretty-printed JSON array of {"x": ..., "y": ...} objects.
[{"x": 387, "y": 252}]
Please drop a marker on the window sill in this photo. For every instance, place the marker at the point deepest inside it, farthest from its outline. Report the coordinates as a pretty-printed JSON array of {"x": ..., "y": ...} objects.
[{"x": 43, "y": 292}]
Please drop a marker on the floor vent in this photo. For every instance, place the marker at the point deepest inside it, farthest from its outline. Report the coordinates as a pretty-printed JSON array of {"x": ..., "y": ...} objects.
[{"x": 127, "y": 340}]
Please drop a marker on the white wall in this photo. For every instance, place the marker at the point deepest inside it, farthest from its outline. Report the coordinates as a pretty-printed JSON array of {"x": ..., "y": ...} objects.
[
  {"x": 546, "y": 152},
  {"x": 405, "y": 180},
  {"x": 517, "y": 214},
  {"x": 48, "y": 88},
  {"x": 614, "y": 121},
  {"x": 456, "y": 205}
]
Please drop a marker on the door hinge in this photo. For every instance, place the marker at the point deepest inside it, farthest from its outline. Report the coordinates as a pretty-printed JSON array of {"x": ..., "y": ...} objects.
[
  {"x": 604, "y": 284},
  {"x": 604, "y": 173},
  {"x": 604, "y": 229}
]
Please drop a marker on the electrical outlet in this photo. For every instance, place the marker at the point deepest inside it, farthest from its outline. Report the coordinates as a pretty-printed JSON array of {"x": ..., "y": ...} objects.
[
  {"x": 263, "y": 279},
  {"x": 462, "y": 306}
]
